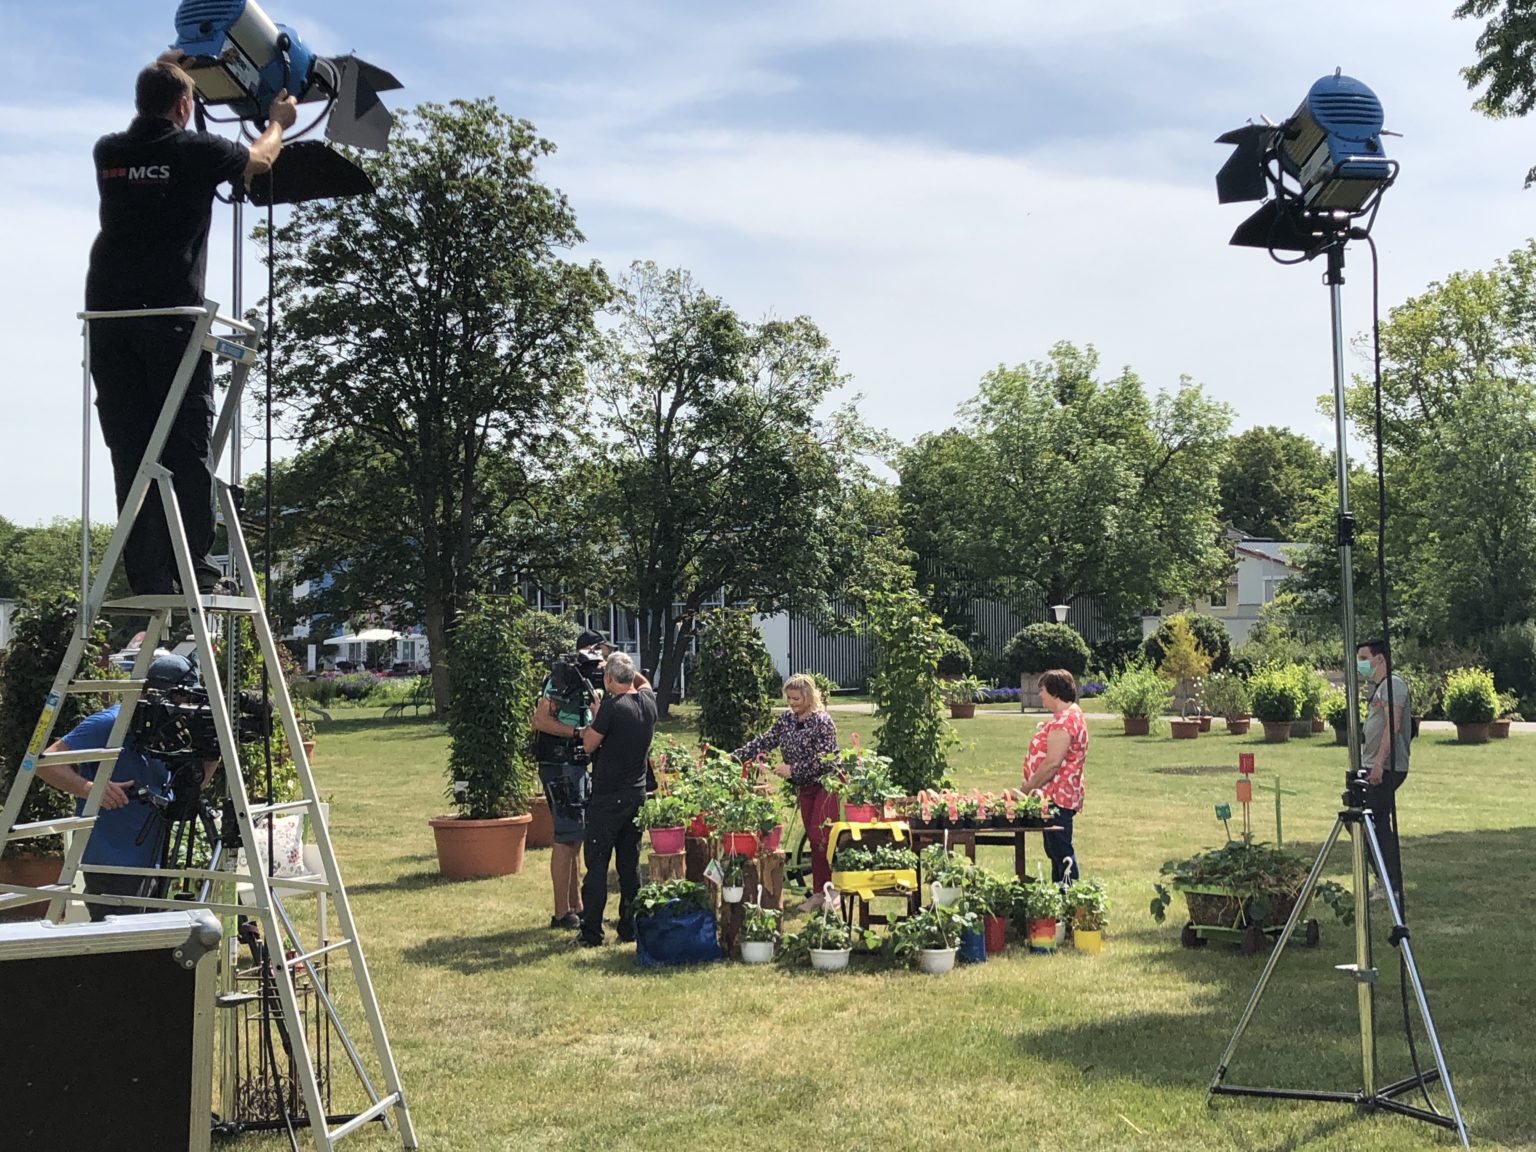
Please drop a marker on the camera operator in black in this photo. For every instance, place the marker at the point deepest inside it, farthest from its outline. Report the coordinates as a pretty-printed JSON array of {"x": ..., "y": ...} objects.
[
  {"x": 157, "y": 182},
  {"x": 563, "y": 711},
  {"x": 619, "y": 740}
]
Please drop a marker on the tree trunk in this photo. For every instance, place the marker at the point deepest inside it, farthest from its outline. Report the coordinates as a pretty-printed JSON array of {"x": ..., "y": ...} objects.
[{"x": 437, "y": 645}]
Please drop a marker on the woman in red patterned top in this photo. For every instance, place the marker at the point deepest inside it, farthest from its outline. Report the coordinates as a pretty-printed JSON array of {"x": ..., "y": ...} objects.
[
  {"x": 803, "y": 735},
  {"x": 1054, "y": 764}
]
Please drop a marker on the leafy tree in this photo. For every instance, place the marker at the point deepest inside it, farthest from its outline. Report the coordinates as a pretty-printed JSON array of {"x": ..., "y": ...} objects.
[
  {"x": 435, "y": 327},
  {"x": 715, "y": 473},
  {"x": 1268, "y": 478},
  {"x": 1069, "y": 485},
  {"x": 905, "y": 684},
  {"x": 42, "y": 562},
  {"x": 1209, "y": 633},
  {"x": 733, "y": 679},
  {"x": 491, "y": 771},
  {"x": 1504, "y": 59}
]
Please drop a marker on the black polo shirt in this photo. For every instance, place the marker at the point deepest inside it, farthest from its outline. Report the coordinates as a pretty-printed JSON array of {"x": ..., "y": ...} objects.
[
  {"x": 156, "y": 183},
  {"x": 627, "y": 721}
]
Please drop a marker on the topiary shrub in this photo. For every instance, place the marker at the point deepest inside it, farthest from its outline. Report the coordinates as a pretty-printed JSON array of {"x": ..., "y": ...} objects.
[
  {"x": 954, "y": 657},
  {"x": 547, "y": 637},
  {"x": 1470, "y": 696},
  {"x": 1041, "y": 647},
  {"x": 1210, "y": 634},
  {"x": 40, "y": 638},
  {"x": 733, "y": 679},
  {"x": 907, "y": 690},
  {"x": 1276, "y": 692},
  {"x": 492, "y": 689}
]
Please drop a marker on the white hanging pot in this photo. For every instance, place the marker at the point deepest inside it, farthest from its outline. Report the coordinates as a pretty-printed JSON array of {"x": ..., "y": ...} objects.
[
  {"x": 936, "y": 961},
  {"x": 756, "y": 951},
  {"x": 830, "y": 959},
  {"x": 732, "y": 893},
  {"x": 943, "y": 897}
]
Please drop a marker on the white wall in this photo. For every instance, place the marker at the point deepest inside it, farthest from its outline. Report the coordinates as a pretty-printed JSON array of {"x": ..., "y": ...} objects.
[
  {"x": 7, "y": 607},
  {"x": 775, "y": 630}
]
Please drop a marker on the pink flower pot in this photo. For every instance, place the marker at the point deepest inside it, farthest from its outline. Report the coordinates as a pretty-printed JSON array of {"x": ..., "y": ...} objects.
[
  {"x": 859, "y": 813},
  {"x": 667, "y": 841},
  {"x": 771, "y": 839}
]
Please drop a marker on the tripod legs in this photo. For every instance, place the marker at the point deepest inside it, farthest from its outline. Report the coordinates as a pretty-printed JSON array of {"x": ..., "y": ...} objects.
[{"x": 1362, "y": 836}]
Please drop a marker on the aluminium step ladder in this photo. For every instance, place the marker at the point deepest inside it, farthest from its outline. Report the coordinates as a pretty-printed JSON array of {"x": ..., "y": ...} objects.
[{"x": 288, "y": 952}]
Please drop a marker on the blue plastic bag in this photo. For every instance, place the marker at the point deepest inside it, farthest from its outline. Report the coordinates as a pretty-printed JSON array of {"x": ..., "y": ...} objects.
[
  {"x": 973, "y": 947},
  {"x": 680, "y": 934}
]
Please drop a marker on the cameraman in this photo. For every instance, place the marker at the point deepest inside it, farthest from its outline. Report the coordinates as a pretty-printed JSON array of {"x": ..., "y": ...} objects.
[
  {"x": 619, "y": 740},
  {"x": 563, "y": 712},
  {"x": 126, "y": 835}
]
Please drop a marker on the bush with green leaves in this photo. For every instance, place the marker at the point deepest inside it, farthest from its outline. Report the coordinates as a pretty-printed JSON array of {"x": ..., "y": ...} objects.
[
  {"x": 1276, "y": 690},
  {"x": 1042, "y": 647},
  {"x": 1087, "y": 903},
  {"x": 1210, "y": 635},
  {"x": 492, "y": 690},
  {"x": 663, "y": 811},
  {"x": 1424, "y": 688},
  {"x": 1335, "y": 710},
  {"x": 1511, "y": 655},
  {"x": 733, "y": 680},
  {"x": 40, "y": 639},
  {"x": 1259, "y": 877},
  {"x": 1137, "y": 692},
  {"x": 933, "y": 928},
  {"x": 824, "y": 684},
  {"x": 1226, "y": 694},
  {"x": 906, "y": 687},
  {"x": 761, "y": 925},
  {"x": 954, "y": 657},
  {"x": 1470, "y": 696},
  {"x": 1038, "y": 900},
  {"x": 1314, "y": 690}
]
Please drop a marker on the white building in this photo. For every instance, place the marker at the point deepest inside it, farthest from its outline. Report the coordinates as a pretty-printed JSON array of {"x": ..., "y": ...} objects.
[{"x": 1259, "y": 568}]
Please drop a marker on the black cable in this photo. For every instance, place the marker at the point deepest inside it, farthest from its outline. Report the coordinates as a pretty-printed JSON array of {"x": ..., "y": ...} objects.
[{"x": 1381, "y": 587}]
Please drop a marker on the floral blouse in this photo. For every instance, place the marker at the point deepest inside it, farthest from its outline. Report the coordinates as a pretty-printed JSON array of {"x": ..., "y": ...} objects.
[
  {"x": 802, "y": 742},
  {"x": 1065, "y": 789}
]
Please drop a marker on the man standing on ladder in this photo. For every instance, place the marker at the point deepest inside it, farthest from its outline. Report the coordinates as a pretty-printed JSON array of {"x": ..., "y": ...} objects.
[{"x": 157, "y": 182}]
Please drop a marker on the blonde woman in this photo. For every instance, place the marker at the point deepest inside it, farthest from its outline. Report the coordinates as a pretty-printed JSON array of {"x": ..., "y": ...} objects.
[{"x": 803, "y": 735}]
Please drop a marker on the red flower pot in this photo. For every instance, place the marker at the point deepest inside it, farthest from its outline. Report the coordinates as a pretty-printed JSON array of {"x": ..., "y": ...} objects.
[
  {"x": 698, "y": 827},
  {"x": 859, "y": 813},
  {"x": 667, "y": 841},
  {"x": 994, "y": 927},
  {"x": 740, "y": 843},
  {"x": 771, "y": 839}
]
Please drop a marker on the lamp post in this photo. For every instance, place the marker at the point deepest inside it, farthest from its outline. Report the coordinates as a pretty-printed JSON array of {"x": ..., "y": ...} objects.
[{"x": 1060, "y": 612}]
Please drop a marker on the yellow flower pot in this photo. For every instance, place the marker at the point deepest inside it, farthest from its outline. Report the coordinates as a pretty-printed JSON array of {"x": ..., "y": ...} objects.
[{"x": 1089, "y": 941}]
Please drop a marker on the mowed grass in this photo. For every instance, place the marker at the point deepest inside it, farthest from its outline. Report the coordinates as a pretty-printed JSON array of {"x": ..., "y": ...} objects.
[{"x": 508, "y": 1039}]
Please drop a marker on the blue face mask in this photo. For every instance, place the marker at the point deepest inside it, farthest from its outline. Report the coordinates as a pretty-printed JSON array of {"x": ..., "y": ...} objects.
[{"x": 1363, "y": 667}]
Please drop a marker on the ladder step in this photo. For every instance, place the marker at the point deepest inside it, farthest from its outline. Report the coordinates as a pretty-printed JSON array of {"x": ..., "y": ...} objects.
[
  {"x": 78, "y": 687},
  {"x": 362, "y": 1118},
  {"x": 143, "y": 604},
  {"x": 318, "y": 952},
  {"x": 49, "y": 827},
  {"x": 8, "y": 898},
  {"x": 79, "y": 756},
  {"x": 273, "y": 809}
]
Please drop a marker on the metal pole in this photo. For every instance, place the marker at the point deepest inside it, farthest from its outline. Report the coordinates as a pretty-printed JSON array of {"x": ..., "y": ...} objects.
[
  {"x": 1345, "y": 529},
  {"x": 85, "y": 478}
]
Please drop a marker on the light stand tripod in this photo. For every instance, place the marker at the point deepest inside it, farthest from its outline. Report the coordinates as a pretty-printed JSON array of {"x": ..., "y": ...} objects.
[{"x": 1359, "y": 819}]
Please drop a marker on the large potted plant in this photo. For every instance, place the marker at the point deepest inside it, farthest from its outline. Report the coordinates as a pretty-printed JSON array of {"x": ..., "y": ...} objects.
[
  {"x": 1471, "y": 703},
  {"x": 932, "y": 936},
  {"x": 862, "y": 780},
  {"x": 960, "y": 695},
  {"x": 1509, "y": 712},
  {"x": 1335, "y": 713},
  {"x": 27, "y": 669},
  {"x": 1037, "y": 648},
  {"x": 492, "y": 689},
  {"x": 1141, "y": 697},
  {"x": 665, "y": 817},
  {"x": 1226, "y": 695},
  {"x": 1276, "y": 699},
  {"x": 1314, "y": 687}
]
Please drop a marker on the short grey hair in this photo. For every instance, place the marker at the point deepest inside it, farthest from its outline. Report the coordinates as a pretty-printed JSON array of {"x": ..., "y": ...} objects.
[{"x": 620, "y": 667}]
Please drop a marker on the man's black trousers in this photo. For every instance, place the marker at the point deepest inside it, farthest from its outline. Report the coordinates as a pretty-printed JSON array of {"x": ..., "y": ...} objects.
[
  {"x": 1381, "y": 799},
  {"x": 611, "y": 833},
  {"x": 133, "y": 362}
]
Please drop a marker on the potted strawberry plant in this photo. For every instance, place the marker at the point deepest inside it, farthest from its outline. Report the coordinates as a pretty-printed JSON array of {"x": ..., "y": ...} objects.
[
  {"x": 946, "y": 872},
  {"x": 734, "y": 870},
  {"x": 665, "y": 818},
  {"x": 932, "y": 937},
  {"x": 1087, "y": 903},
  {"x": 674, "y": 924},
  {"x": 759, "y": 933},
  {"x": 862, "y": 780},
  {"x": 1037, "y": 909},
  {"x": 741, "y": 819},
  {"x": 826, "y": 939}
]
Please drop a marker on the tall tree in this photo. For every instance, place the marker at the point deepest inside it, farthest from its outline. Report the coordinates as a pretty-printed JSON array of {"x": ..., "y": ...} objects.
[
  {"x": 1268, "y": 478},
  {"x": 715, "y": 472},
  {"x": 41, "y": 562},
  {"x": 436, "y": 323},
  {"x": 1065, "y": 485},
  {"x": 1506, "y": 62}
]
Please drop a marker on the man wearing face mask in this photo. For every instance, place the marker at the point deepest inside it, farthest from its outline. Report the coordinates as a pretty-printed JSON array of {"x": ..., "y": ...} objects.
[{"x": 1384, "y": 754}]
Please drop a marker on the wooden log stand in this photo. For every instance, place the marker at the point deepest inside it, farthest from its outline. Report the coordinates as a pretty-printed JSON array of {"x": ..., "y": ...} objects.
[
  {"x": 666, "y": 866},
  {"x": 766, "y": 869}
]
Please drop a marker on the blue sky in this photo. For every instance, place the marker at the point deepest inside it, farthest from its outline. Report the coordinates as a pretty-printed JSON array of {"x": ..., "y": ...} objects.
[{"x": 943, "y": 187}]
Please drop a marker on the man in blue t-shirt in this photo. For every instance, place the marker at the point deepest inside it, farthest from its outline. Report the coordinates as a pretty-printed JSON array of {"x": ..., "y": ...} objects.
[
  {"x": 129, "y": 833},
  {"x": 156, "y": 182}
]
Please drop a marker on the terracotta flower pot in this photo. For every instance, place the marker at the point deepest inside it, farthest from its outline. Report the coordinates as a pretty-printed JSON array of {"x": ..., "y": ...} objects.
[
  {"x": 962, "y": 711},
  {"x": 1318, "y": 725},
  {"x": 859, "y": 813},
  {"x": 473, "y": 848},
  {"x": 1205, "y": 723},
  {"x": 1185, "y": 729},
  {"x": 309, "y": 749},
  {"x": 1238, "y": 725},
  {"x": 1499, "y": 730},
  {"x": 1276, "y": 731},
  {"x": 1472, "y": 733},
  {"x": 1136, "y": 725},
  {"x": 1417, "y": 720},
  {"x": 30, "y": 872},
  {"x": 541, "y": 832}
]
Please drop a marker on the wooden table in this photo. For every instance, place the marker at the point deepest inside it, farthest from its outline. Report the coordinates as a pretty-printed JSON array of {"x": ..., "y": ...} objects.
[{"x": 968, "y": 838}]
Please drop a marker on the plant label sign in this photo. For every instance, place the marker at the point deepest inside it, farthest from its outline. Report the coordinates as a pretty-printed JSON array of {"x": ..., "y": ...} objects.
[
  {"x": 714, "y": 873},
  {"x": 1245, "y": 763},
  {"x": 1223, "y": 811}
]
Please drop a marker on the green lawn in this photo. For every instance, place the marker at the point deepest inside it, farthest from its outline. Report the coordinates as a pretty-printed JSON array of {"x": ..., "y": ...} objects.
[{"x": 507, "y": 1039}]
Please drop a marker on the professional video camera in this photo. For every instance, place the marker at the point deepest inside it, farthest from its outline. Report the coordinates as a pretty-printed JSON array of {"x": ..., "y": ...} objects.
[{"x": 183, "y": 729}]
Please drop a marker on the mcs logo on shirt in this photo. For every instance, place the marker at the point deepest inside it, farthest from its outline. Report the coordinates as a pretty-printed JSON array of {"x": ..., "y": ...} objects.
[{"x": 139, "y": 174}]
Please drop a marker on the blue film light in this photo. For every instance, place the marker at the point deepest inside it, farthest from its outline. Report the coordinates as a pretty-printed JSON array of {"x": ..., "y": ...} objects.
[
  {"x": 1332, "y": 145},
  {"x": 240, "y": 57}
]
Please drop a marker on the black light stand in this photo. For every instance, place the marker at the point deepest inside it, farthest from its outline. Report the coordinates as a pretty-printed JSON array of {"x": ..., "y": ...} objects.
[{"x": 1359, "y": 819}]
